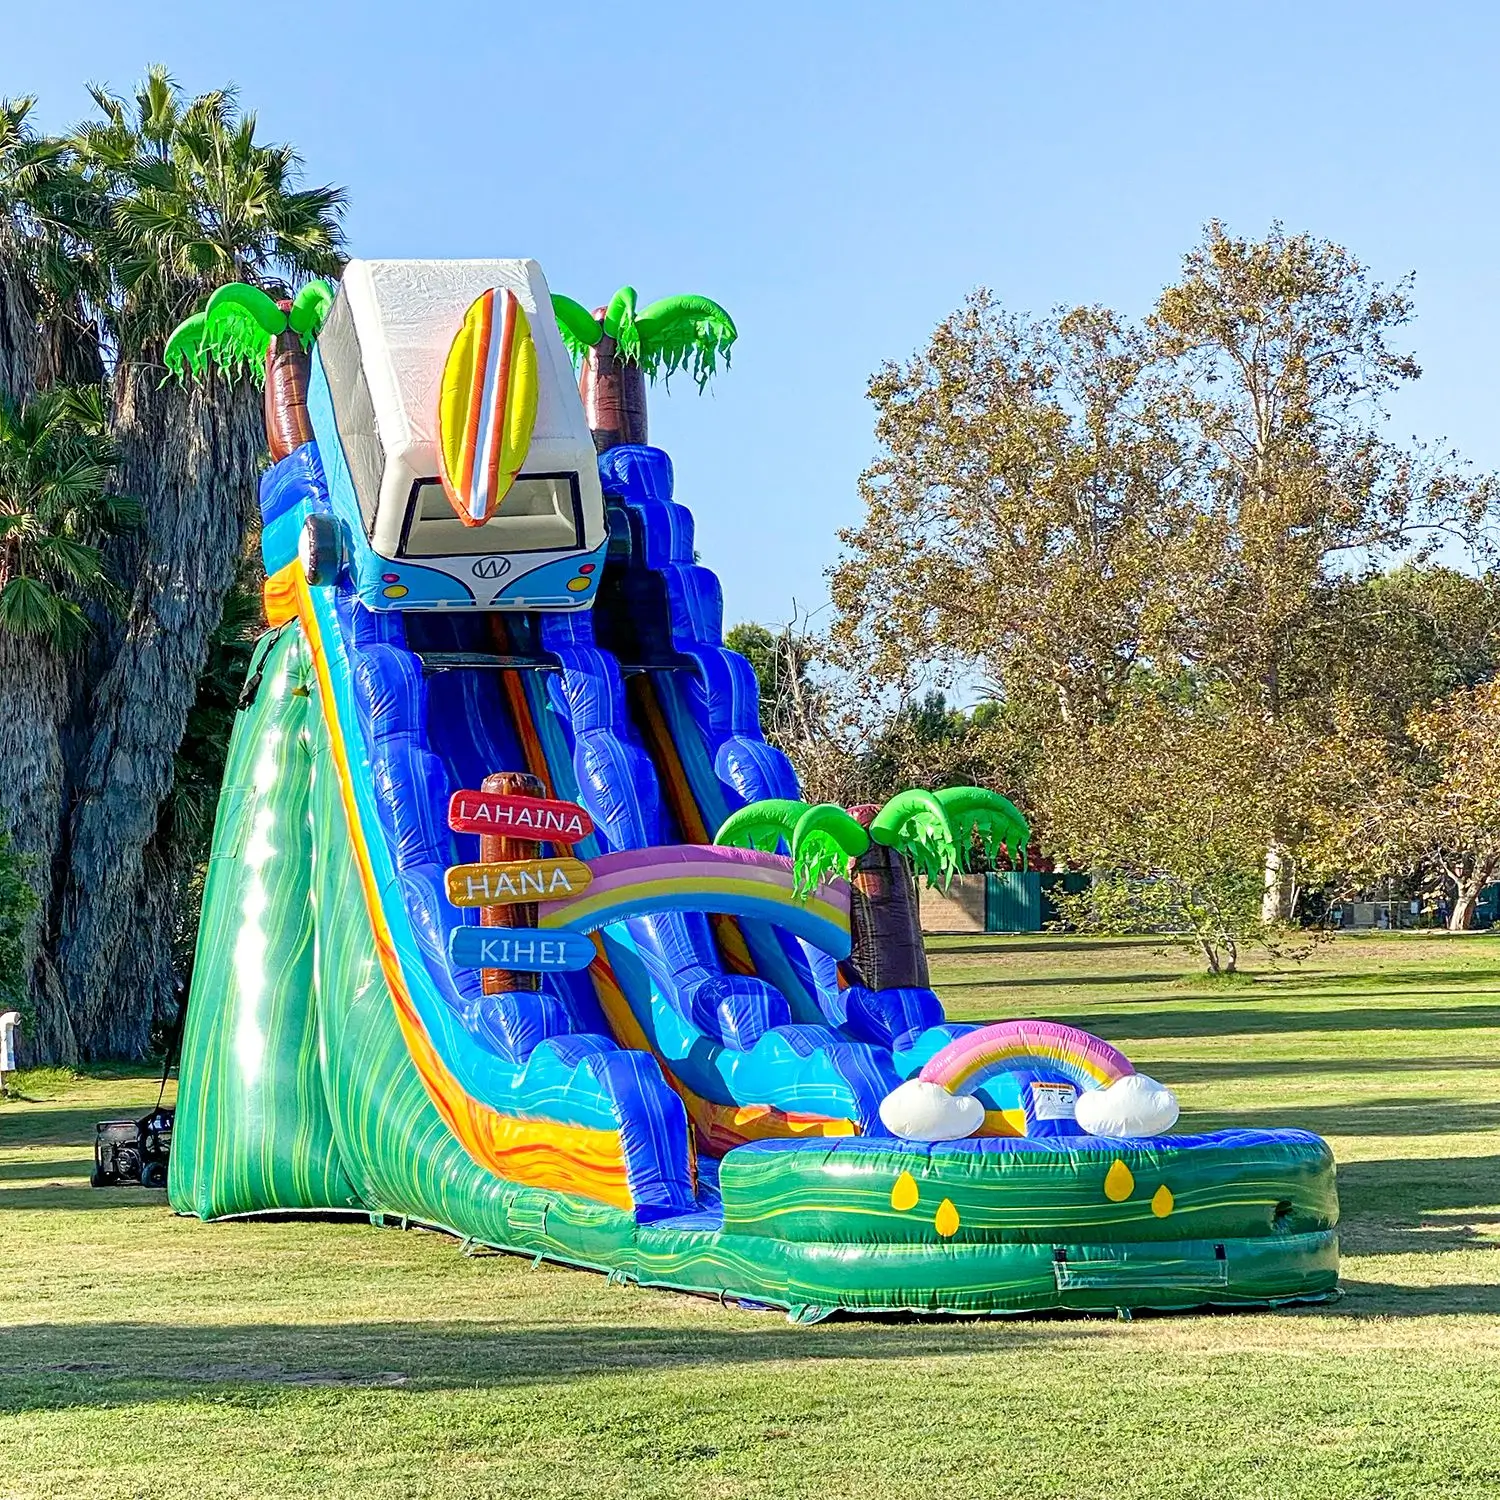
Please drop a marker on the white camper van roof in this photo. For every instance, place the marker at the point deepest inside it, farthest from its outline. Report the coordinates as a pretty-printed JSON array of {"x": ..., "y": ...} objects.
[{"x": 390, "y": 331}]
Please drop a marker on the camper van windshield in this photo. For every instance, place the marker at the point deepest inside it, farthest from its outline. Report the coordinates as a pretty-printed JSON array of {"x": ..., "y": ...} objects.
[{"x": 540, "y": 513}]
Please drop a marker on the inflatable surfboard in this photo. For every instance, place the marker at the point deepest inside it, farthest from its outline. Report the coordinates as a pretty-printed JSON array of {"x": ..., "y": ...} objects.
[{"x": 487, "y": 405}]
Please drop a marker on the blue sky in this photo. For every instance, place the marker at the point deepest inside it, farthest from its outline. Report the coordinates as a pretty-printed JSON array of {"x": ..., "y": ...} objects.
[{"x": 841, "y": 175}]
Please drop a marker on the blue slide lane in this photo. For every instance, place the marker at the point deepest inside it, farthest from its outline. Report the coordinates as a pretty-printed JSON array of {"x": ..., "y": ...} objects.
[{"x": 714, "y": 717}]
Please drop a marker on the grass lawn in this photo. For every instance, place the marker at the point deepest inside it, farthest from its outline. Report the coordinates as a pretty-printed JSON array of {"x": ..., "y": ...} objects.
[{"x": 146, "y": 1355}]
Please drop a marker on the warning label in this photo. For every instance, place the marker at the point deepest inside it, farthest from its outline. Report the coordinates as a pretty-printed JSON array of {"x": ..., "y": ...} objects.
[{"x": 1053, "y": 1101}]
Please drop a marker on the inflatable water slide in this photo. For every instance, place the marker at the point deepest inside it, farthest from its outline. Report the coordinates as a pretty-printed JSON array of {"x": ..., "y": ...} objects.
[{"x": 471, "y": 956}]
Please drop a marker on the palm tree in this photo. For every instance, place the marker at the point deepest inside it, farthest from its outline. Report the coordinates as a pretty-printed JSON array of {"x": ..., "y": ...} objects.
[
  {"x": 46, "y": 337},
  {"x": 241, "y": 329},
  {"x": 619, "y": 348},
  {"x": 57, "y": 505},
  {"x": 189, "y": 200},
  {"x": 876, "y": 847}
]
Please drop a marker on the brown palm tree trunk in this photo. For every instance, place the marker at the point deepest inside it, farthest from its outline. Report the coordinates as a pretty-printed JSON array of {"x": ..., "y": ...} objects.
[
  {"x": 193, "y": 460},
  {"x": 33, "y": 706},
  {"x": 614, "y": 395},
  {"x": 886, "y": 928},
  {"x": 288, "y": 369}
]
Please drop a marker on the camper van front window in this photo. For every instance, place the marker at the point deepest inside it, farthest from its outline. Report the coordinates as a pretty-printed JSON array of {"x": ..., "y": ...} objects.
[{"x": 541, "y": 513}]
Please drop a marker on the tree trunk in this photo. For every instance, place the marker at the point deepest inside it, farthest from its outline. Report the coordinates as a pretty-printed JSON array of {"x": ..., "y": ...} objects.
[
  {"x": 40, "y": 345},
  {"x": 1461, "y": 918},
  {"x": 288, "y": 369},
  {"x": 1276, "y": 903},
  {"x": 614, "y": 395},
  {"x": 887, "y": 950},
  {"x": 20, "y": 341},
  {"x": 192, "y": 458},
  {"x": 33, "y": 708}
]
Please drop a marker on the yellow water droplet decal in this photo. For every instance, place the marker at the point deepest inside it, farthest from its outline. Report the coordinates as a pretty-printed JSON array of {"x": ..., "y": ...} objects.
[
  {"x": 904, "y": 1194},
  {"x": 946, "y": 1222},
  {"x": 1119, "y": 1184},
  {"x": 1161, "y": 1201}
]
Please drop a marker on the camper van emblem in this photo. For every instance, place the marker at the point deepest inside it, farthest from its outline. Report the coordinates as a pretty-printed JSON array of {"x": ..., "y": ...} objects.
[{"x": 491, "y": 567}]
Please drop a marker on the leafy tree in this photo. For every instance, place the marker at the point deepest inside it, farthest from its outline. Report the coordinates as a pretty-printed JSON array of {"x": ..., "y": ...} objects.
[
  {"x": 46, "y": 271},
  {"x": 1026, "y": 516},
  {"x": 619, "y": 349},
  {"x": 1436, "y": 807},
  {"x": 1074, "y": 504},
  {"x": 1165, "y": 803},
  {"x": 781, "y": 661},
  {"x": 1281, "y": 355},
  {"x": 57, "y": 465}
]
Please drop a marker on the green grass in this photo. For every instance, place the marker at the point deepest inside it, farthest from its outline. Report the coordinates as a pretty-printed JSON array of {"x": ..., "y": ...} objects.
[{"x": 141, "y": 1354}]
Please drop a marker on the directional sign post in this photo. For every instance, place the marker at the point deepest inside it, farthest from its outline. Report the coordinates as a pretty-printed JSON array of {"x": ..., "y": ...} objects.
[
  {"x": 513, "y": 818},
  {"x": 519, "y": 948},
  {"x": 495, "y": 845}
]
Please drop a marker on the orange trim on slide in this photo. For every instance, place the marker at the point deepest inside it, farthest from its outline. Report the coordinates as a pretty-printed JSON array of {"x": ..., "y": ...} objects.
[
  {"x": 280, "y": 594},
  {"x": 538, "y": 1153}
]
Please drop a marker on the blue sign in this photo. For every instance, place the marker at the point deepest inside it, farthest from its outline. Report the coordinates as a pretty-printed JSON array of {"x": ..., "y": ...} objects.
[{"x": 531, "y": 950}]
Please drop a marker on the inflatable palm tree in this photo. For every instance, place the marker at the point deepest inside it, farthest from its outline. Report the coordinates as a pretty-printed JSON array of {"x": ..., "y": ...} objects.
[
  {"x": 618, "y": 349},
  {"x": 244, "y": 330},
  {"x": 931, "y": 832}
]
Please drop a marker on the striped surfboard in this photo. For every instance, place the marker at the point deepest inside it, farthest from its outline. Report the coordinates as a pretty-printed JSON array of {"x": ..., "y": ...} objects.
[{"x": 486, "y": 405}]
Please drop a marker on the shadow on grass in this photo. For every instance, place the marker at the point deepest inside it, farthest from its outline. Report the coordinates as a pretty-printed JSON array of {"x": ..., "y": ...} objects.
[
  {"x": 1421, "y": 1206},
  {"x": 1190, "y": 1019},
  {"x": 1045, "y": 981},
  {"x": 1175, "y": 1072},
  {"x": 57, "y": 1125},
  {"x": 1383, "y": 1299},
  {"x": 961, "y": 945},
  {"x": 77, "y": 1163},
  {"x": 71, "y": 1192},
  {"x": 47, "y": 1365},
  {"x": 1412, "y": 1116}
]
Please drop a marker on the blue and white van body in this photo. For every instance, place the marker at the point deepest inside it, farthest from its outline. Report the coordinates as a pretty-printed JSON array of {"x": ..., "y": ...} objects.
[{"x": 373, "y": 399}]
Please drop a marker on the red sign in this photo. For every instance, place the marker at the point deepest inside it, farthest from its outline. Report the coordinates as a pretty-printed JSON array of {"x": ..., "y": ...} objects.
[{"x": 518, "y": 817}]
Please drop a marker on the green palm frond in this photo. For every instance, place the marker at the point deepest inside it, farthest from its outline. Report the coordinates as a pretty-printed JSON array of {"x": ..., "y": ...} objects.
[
  {"x": 56, "y": 468},
  {"x": 29, "y": 607},
  {"x": 685, "y": 333},
  {"x": 187, "y": 348},
  {"x": 825, "y": 842},
  {"x": 915, "y": 824},
  {"x": 579, "y": 328},
  {"x": 974, "y": 812},
  {"x": 676, "y": 333},
  {"x": 764, "y": 825},
  {"x": 619, "y": 324},
  {"x": 194, "y": 201},
  {"x": 309, "y": 310}
]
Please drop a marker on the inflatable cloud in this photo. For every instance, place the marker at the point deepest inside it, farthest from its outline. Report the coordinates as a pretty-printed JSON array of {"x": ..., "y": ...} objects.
[
  {"x": 1131, "y": 1106},
  {"x": 921, "y": 1111}
]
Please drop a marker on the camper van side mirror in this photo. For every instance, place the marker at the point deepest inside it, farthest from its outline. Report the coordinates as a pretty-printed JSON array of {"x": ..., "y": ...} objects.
[{"x": 320, "y": 549}]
